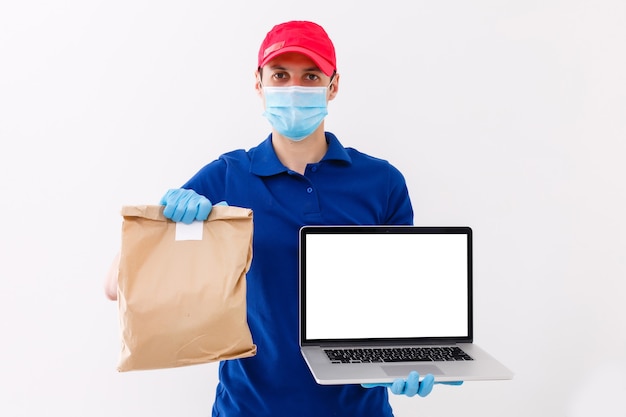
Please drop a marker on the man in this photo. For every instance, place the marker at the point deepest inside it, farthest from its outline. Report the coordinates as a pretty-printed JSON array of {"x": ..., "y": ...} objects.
[{"x": 299, "y": 175}]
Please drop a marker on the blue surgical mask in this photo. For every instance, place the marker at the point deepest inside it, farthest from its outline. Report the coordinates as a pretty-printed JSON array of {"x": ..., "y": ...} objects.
[{"x": 295, "y": 112}]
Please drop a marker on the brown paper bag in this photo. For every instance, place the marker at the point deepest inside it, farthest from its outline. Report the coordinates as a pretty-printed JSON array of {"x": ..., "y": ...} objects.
[{"x": 182, "y": 288}]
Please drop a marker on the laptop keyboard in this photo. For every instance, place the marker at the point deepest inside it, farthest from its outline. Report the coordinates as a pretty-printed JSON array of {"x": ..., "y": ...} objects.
[{"x": 402, "y": 354}]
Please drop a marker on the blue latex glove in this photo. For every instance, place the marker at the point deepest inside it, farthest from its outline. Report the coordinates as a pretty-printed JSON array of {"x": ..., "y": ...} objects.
[
  {"x": 182, "y": 205},
  {"x": 412, "y": 385}
]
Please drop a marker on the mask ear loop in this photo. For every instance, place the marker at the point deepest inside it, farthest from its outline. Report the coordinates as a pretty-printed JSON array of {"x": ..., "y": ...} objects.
[{"x": 332, "y": 78}]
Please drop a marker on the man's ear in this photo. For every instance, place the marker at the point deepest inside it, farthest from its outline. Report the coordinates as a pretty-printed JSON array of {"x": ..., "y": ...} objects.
[
  {"x": 333, "y": 89},
  {"x": 257, "y": 85}
]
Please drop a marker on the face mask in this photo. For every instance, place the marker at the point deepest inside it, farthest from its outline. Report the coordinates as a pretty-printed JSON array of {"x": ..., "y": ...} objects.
[{"x": 295, "y": 112}]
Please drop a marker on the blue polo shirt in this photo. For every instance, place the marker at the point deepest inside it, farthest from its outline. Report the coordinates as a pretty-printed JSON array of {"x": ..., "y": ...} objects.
[{"x": 345, "y": 187}]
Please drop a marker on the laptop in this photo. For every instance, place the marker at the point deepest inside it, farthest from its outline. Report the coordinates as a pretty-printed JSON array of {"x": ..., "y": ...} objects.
[{"x": 377, "y": 302}]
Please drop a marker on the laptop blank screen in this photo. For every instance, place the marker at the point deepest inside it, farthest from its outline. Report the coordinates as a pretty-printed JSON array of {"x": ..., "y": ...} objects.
[{"x": 388, "y": 283}]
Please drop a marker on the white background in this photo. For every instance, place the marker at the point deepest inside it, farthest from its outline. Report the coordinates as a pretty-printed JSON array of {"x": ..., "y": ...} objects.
[{"x": 507, "y": 116}]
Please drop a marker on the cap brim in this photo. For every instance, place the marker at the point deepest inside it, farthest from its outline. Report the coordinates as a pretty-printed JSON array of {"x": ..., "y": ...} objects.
[{"x": 325, "y": 66}]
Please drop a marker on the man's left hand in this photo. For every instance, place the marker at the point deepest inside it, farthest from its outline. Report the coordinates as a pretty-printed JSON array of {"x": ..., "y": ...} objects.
[{"x": 412, "y": 385}]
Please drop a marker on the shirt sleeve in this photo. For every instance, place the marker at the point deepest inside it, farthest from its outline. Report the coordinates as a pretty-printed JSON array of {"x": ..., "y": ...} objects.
[
  {"x": 209, "y": 181},
  {"x": 399, "y": 207}
]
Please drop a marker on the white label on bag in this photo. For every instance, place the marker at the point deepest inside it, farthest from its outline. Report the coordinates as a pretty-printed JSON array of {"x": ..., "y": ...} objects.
[{"x": 191, "y": 231}]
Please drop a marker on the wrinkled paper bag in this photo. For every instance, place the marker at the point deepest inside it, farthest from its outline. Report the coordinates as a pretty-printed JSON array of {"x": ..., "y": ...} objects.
[{"x": 182, "y": 288}]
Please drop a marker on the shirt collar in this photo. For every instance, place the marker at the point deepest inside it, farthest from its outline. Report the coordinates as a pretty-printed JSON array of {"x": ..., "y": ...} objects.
[{"x": 265, "y": 162}]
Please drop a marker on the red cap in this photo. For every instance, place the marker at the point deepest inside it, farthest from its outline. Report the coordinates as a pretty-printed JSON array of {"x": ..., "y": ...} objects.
[{"x": 307, "y": 38}]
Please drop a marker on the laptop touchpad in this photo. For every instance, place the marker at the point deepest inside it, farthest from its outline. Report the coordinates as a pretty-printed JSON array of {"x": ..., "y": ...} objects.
[{"x": 401, "y": 371}]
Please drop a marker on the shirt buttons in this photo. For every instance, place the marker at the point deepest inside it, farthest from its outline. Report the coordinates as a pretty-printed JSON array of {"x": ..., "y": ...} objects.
[
  {"x": 314, "y": 168},
  {"x": 309, "y": 190}
]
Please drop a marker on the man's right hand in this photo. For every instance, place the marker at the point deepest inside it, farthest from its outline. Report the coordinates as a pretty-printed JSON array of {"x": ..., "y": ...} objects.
[{"x": 182, "y": 205}]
